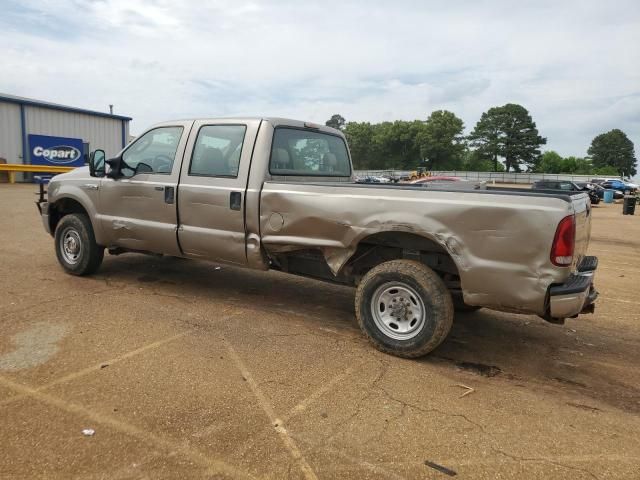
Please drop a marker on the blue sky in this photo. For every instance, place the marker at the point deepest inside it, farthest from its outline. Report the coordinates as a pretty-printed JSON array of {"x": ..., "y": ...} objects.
[{"x": 575, "y": 65}]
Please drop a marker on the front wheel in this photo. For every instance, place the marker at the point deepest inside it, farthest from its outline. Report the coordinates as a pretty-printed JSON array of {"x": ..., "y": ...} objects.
[
  {"x": 404, "y": 308},
  {"x": 76, "y": 246}
]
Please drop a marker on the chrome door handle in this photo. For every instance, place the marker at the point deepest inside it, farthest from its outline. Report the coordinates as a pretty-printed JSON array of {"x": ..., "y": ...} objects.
[
  {"x": 90, "y": 186},
  {"x": 159, "y": 188}
]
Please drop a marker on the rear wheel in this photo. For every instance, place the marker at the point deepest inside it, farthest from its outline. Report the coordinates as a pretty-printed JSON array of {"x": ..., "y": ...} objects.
[
  {"x": 404, "y": 308},
  {"x": 76, "y": 246}
]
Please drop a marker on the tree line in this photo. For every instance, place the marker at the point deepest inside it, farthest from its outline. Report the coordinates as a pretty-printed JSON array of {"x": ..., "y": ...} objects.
[{"x": 505, "y": 138}]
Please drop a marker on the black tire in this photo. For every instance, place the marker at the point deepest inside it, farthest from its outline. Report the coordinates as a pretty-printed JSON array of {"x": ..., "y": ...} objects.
[
  {"x": 82, "y": 255},
  {"x": 436, "y": 304}
]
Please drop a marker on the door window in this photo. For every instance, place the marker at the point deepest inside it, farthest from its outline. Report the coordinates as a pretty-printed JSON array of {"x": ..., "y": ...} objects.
[
  {"x": 217, "y": 151},
  {"x": 86, "y": 151},
  {"x": 154, "y": 152},
  {"x": 308, "y": 153}
]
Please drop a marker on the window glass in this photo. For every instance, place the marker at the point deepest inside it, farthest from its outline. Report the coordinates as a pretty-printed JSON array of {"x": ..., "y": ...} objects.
[
  {"x": 154, "y": 152},
  {"x": 566, "y": 186},
  {"x": 308, "y": 153},
  {"x": 85, "y": 152},
  {"x": 217, "y": 151}
]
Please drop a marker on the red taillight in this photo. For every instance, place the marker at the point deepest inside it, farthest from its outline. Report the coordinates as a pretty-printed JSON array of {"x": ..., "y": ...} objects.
[{"x": 564, "y": 242}]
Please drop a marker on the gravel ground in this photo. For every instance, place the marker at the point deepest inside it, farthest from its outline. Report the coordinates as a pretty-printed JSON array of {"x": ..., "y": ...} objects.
[{"x": 182, "y": 370}]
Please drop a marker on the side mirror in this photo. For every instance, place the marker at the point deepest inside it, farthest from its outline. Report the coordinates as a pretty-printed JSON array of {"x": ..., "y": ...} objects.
[
  {"x": 114, "y": 167},
  {"x": 96, "y": 163}
]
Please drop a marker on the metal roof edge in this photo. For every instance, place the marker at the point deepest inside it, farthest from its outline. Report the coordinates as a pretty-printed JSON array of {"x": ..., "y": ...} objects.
[{"x": 55, "y": 106}]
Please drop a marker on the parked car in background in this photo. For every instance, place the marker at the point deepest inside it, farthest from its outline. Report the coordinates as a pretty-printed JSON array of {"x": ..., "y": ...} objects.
[
  {"x": 555, "y": 185},
  {"x": 456, "y": 183},
  {"x": 599, "y": 190},
  {"x": 373, "y": 179},
  {"x": 440, "y": 179},
  {"x": 568, "y": 186},
  {"x": 625, "y": 181},
  {"x": 614, "y": 184}
]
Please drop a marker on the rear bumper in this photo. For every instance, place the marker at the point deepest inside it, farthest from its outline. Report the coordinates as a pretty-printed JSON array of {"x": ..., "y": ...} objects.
[{"x": 577, "y": 295}]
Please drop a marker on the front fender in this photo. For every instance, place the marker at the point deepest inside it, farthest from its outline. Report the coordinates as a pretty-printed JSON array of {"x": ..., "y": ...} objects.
[{"x": 58, "y": 192}]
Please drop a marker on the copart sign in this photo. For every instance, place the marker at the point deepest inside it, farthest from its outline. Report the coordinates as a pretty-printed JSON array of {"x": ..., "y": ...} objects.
[{"x": 47, "y": 150}]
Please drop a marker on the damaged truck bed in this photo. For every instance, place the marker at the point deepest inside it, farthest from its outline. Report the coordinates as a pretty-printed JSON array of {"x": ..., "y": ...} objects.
[{"x": 279, "y": 194}]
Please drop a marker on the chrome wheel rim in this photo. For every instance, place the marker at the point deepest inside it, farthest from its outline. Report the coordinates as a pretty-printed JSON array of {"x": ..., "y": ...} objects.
[
  {"x": 398, "y": 311},
  {"x": 70, "y": 245}
]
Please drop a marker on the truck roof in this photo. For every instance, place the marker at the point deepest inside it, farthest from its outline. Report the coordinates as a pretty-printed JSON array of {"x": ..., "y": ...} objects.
[{"x": 275, "y": 121}]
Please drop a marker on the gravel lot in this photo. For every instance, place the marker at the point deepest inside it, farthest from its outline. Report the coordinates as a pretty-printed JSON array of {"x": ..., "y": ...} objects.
[{"x": 184, "y": 370}]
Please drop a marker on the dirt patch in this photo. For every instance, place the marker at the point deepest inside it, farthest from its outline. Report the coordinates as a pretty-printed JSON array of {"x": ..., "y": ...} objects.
[{"x": 33, "y": 346}]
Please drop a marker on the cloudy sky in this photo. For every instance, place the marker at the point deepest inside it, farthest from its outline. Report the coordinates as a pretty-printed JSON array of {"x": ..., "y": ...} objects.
[{"x": 575, "y": 65}]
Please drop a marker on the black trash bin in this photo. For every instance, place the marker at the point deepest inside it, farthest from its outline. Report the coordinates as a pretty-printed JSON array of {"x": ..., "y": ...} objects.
[{"x": 629, "y": 205}]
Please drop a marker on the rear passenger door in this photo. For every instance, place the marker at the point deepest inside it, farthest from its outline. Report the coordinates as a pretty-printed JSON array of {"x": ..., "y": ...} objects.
[{"x": 211, "y": 194}]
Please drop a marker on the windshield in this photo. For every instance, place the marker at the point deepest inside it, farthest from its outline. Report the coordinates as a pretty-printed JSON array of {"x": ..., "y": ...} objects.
[{"x": 308, "y": 153}]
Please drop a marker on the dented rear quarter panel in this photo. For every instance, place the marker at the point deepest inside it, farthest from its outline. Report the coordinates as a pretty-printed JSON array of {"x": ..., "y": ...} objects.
[{"x": 500, "y": 243}]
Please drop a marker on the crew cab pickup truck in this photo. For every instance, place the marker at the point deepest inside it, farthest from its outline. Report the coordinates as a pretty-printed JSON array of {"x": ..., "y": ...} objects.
[{"x": 277, "y": 194}]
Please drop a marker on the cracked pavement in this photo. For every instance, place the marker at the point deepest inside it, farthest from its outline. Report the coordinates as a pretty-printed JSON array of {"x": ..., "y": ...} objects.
[{"x": 185, "y": 371}]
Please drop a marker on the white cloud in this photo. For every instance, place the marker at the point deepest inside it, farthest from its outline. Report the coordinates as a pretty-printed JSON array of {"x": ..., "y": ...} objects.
[{"x": 573, "y": 64}]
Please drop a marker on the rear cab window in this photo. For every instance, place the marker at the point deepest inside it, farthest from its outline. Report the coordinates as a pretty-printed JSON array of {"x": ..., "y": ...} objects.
[{"x": 303, "y": 152}]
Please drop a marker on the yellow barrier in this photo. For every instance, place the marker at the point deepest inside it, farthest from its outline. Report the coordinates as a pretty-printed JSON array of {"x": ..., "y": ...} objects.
[{"x": 12, "y": 168}]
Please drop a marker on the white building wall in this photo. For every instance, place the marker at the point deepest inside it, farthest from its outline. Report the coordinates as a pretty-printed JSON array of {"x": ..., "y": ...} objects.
[
  {"x": 10, "y": 133},
  {"x": 99, "y": 132}
]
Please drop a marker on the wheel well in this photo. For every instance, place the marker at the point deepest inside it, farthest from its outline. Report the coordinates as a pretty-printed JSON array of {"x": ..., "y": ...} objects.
[
  {"x": 381, "y": 247},
  {"x": 63, "y": 207}
]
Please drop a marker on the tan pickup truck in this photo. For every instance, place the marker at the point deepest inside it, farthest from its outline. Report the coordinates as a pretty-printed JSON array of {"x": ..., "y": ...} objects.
[{"x": 270, "y": 193}]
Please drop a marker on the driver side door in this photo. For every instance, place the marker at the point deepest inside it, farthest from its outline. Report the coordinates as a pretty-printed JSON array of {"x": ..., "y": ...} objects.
[{"x": 138, "y": 211}]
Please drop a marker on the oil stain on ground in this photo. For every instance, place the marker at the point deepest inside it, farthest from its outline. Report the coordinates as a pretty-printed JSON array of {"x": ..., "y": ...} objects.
[{"x": 480, "y": 368}]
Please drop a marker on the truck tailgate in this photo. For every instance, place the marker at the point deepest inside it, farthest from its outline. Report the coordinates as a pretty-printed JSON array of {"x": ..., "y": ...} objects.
[{"x": 582, "y": 209}]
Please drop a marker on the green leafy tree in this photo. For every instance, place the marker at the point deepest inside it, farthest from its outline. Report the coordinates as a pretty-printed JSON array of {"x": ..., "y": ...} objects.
[
  {"x": 510, "y": 133},
  {"x": 550, "y": 162},
  {"x": 360, "y": 138},
  {"x": 440, "y": 141},
  {"x": 583, "y": 166},
  {"x": 474, "y": 161},
  {"x": 485, "y": 137},
  {"x": 607, "y": 171},
  {"x": 614, "y": 149},
  {"x": 568, "y": 165},
  {"x": 395, "y": 143},
  {"x": 336, "y": 121}
]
